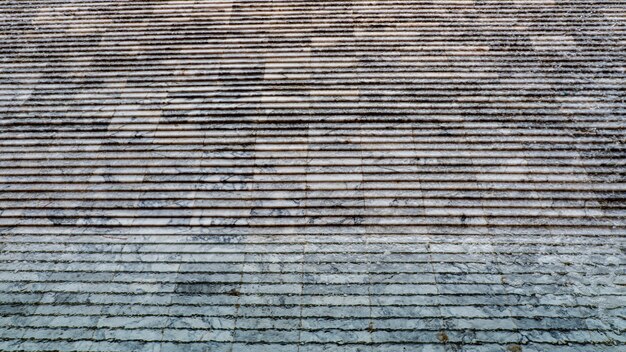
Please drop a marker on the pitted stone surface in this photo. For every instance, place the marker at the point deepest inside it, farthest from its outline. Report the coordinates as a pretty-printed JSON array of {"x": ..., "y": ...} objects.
[{"x": 397, "y": 175}]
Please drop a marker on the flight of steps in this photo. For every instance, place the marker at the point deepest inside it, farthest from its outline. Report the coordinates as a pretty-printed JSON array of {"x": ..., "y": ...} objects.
[{"x": 397, "y": 175}]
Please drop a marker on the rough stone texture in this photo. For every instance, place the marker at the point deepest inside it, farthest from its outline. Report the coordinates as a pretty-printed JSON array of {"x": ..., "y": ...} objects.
[{"x": 398, "y": 175}]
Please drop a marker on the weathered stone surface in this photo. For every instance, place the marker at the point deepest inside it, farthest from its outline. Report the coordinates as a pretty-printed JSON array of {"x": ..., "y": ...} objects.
[{"x": 398, "y": 175}]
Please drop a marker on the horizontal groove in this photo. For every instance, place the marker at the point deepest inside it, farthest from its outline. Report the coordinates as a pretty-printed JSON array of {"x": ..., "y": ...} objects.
[
  {"x": 300, "y": 24},
  {"x": 350, "y": 318},
  {"x": 258, "y": 175},
  {"x": 394, "y": 248},
  {"x": 422, "y": 38},
  {"x": 593, "y": 63},
  {"x": 87, "y": 209},
  {"x": 295, "y": 115},
  {"x": 267, "y": 85},
  {"x": 335, "y": 126},
  {"x": 277, "y": 344},
  {"x": 222, "y": 54},
  {"x": 324, "y": 128},
  {"x": 424, "y": 127},
  {"x": 277, "y": 111},
  {"x": 365, "y": 44},
  {"x": 285, "y": 34},
  {"x": 347, "y": 98},
  {"x": 191, "y": 295},
  {"x": 316, "y": 131},
  {"x": 567, "y": 270},
  {"x": 259, "y": 159},
  {"x": 442, "y": 89},
  {"x": 286, "y": 7},
  {"x": 211, "y": 238},
  {"x": 356, "y": 185},
  {"x": 113, "y": 328},
  {"x": 325, "y": 284},
  {"x": 314, "y": 13},
  {"x": 258, "y": 20},
  {"x": 311, "y": 262},
  {"x": 326, "y": 211},
  {"x": 287, "y": 159},
  {"x": 563, "y": 196},
  {"x": 345, "y": 222},
  {"x": 263, "y": 154},
  {"x": 128, "y": 136},
  {"x": 300, "y": 168},
  {"x": 234, "y": 233},
  {"x": 565, "y": 101},
  {"x": 195, "y": 143},
  {"x": 253, "y": 61},
  {"x": 295, "y": 251},
  {"x": 290, "y": 317},
  {"x": 346, "y": 101},
  {"x": 272, "y": 3},
  {"x": 289, "y": 177},
  {"x": 232, "y": 18},
  {"x": 441, "y": 74},
  {"x": 368, "y": 146}
]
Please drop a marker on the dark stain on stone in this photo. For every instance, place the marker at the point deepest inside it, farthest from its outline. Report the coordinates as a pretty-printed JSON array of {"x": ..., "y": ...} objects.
[
  {"x": 234, "y": 292},
  {"x": 442, "y": 337},
  {"x": 63, "y": 220},
  {"x": 514, "y": 348}
]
